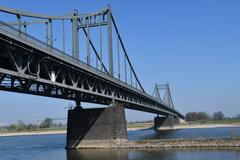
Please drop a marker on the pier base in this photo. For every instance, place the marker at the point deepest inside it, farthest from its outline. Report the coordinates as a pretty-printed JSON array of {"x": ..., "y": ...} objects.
[
  {"x": 165, "y": 122},
  {"x": 176, "y": 120},
  {"x": 97, "y": 127}
]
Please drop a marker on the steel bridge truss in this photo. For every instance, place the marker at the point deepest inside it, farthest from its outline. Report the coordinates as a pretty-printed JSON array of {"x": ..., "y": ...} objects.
[
  {"x": 84, "y": 22},
  {"x": 30, "y": 66}
]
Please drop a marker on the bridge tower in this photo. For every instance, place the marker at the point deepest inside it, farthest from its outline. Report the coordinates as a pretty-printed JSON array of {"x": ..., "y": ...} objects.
[{"x": 163, "y": 94}]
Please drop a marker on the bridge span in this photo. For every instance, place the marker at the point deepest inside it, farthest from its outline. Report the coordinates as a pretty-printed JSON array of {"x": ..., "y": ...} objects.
[{"x": 33, "y": 65}]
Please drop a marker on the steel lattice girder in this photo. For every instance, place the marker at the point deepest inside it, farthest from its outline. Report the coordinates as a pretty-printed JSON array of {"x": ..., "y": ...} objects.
[{"x": 29, "y": 68}]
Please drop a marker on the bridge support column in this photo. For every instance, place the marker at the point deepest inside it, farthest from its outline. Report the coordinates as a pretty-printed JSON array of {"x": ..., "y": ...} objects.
[
  {"x": 176, "y": 120},
  {"x": 97, "y": 127},
  {"x": 165, "y": 122}
]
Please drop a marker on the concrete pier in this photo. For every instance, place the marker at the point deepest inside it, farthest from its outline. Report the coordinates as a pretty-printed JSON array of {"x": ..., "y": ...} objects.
[
  {"x": 97, "y": 127},
  {"x": 167, "y": 122}
]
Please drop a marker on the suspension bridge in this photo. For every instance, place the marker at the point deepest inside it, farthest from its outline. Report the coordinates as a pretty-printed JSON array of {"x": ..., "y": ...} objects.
[{"x": 78, "y": 57}]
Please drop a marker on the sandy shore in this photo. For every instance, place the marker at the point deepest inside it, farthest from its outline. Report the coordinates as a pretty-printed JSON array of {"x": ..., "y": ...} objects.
[
  {"x": 138, "y": 128},
  {"x": 32, "y": 133},
  {"x": 186, "y": 126},
  {"x": 2, "y": 134}
]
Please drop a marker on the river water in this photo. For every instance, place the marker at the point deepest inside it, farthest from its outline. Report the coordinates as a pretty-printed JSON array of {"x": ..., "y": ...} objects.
[{"x": 51, "y": 147}]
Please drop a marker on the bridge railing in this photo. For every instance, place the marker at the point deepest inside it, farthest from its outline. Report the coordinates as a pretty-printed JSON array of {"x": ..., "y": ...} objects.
[{"x": 35, "y": 41}]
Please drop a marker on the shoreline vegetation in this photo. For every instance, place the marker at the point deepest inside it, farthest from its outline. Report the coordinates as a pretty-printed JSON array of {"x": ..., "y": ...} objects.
[{"x": 132, "y": 126}]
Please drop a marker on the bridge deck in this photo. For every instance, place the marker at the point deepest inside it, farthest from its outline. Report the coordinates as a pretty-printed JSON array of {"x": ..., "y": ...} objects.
[{"x": 28, "y": 65}]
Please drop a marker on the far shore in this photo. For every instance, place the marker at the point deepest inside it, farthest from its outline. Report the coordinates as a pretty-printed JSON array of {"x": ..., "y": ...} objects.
[
  {"x": 186, "y": 126},
  {"x": 27, "y": 133},
  {"x": 149, "y": 125},
  {"x": 132, "y": 127}
]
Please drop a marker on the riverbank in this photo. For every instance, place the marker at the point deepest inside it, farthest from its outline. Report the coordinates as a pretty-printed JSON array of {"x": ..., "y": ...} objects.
[
  {"x": 59, "y": 131},
  {"x": 27, "y": 133},
  {"x": 139, "y": 126},
  {"x": 130, "y": 127},
  {"x": 185, "y": 125},
  {"x": 6, "y": 134}
]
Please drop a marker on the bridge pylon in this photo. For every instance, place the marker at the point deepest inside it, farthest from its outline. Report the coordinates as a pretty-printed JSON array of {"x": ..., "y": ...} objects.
[
  {"x": 163, "y": 94},
  {"x": 164, "y": 90}
]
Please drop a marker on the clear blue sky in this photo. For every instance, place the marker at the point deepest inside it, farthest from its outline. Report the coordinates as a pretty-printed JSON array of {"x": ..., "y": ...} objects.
[{"x": 193, "y": 45}]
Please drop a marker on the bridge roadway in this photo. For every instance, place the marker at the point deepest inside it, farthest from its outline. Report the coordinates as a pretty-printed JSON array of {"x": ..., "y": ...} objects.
[{"x": 28, "y": 65}]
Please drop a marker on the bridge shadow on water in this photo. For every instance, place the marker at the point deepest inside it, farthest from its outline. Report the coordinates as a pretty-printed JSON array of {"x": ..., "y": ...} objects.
[
  {"x": 154, "y": 154},
  {"x": 120, "y": 154}
]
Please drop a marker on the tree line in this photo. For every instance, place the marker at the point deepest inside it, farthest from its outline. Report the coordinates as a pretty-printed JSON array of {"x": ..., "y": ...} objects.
[
  {"x": 21, "y": 126},
  {"x": 219, "y": 115}
]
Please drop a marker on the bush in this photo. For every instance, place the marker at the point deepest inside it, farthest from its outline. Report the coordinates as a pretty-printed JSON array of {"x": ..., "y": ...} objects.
[
  {"x": 21, "y": 125},
  {"x": 12, "y": 127}
]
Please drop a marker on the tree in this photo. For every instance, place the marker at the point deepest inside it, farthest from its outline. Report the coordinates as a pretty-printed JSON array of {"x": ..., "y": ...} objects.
[
  {"x": 191, "y": 116},
  {"x": 31, "y": 127},
  {"x": 238, "y": 116},
  {"x": 48, "y": 122},
  {"x": 20, "y": 125},
  {"x": 12, "y": 127},
  {"x": 203, "y": 116},
  {"x": 218, "y": 116}
]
